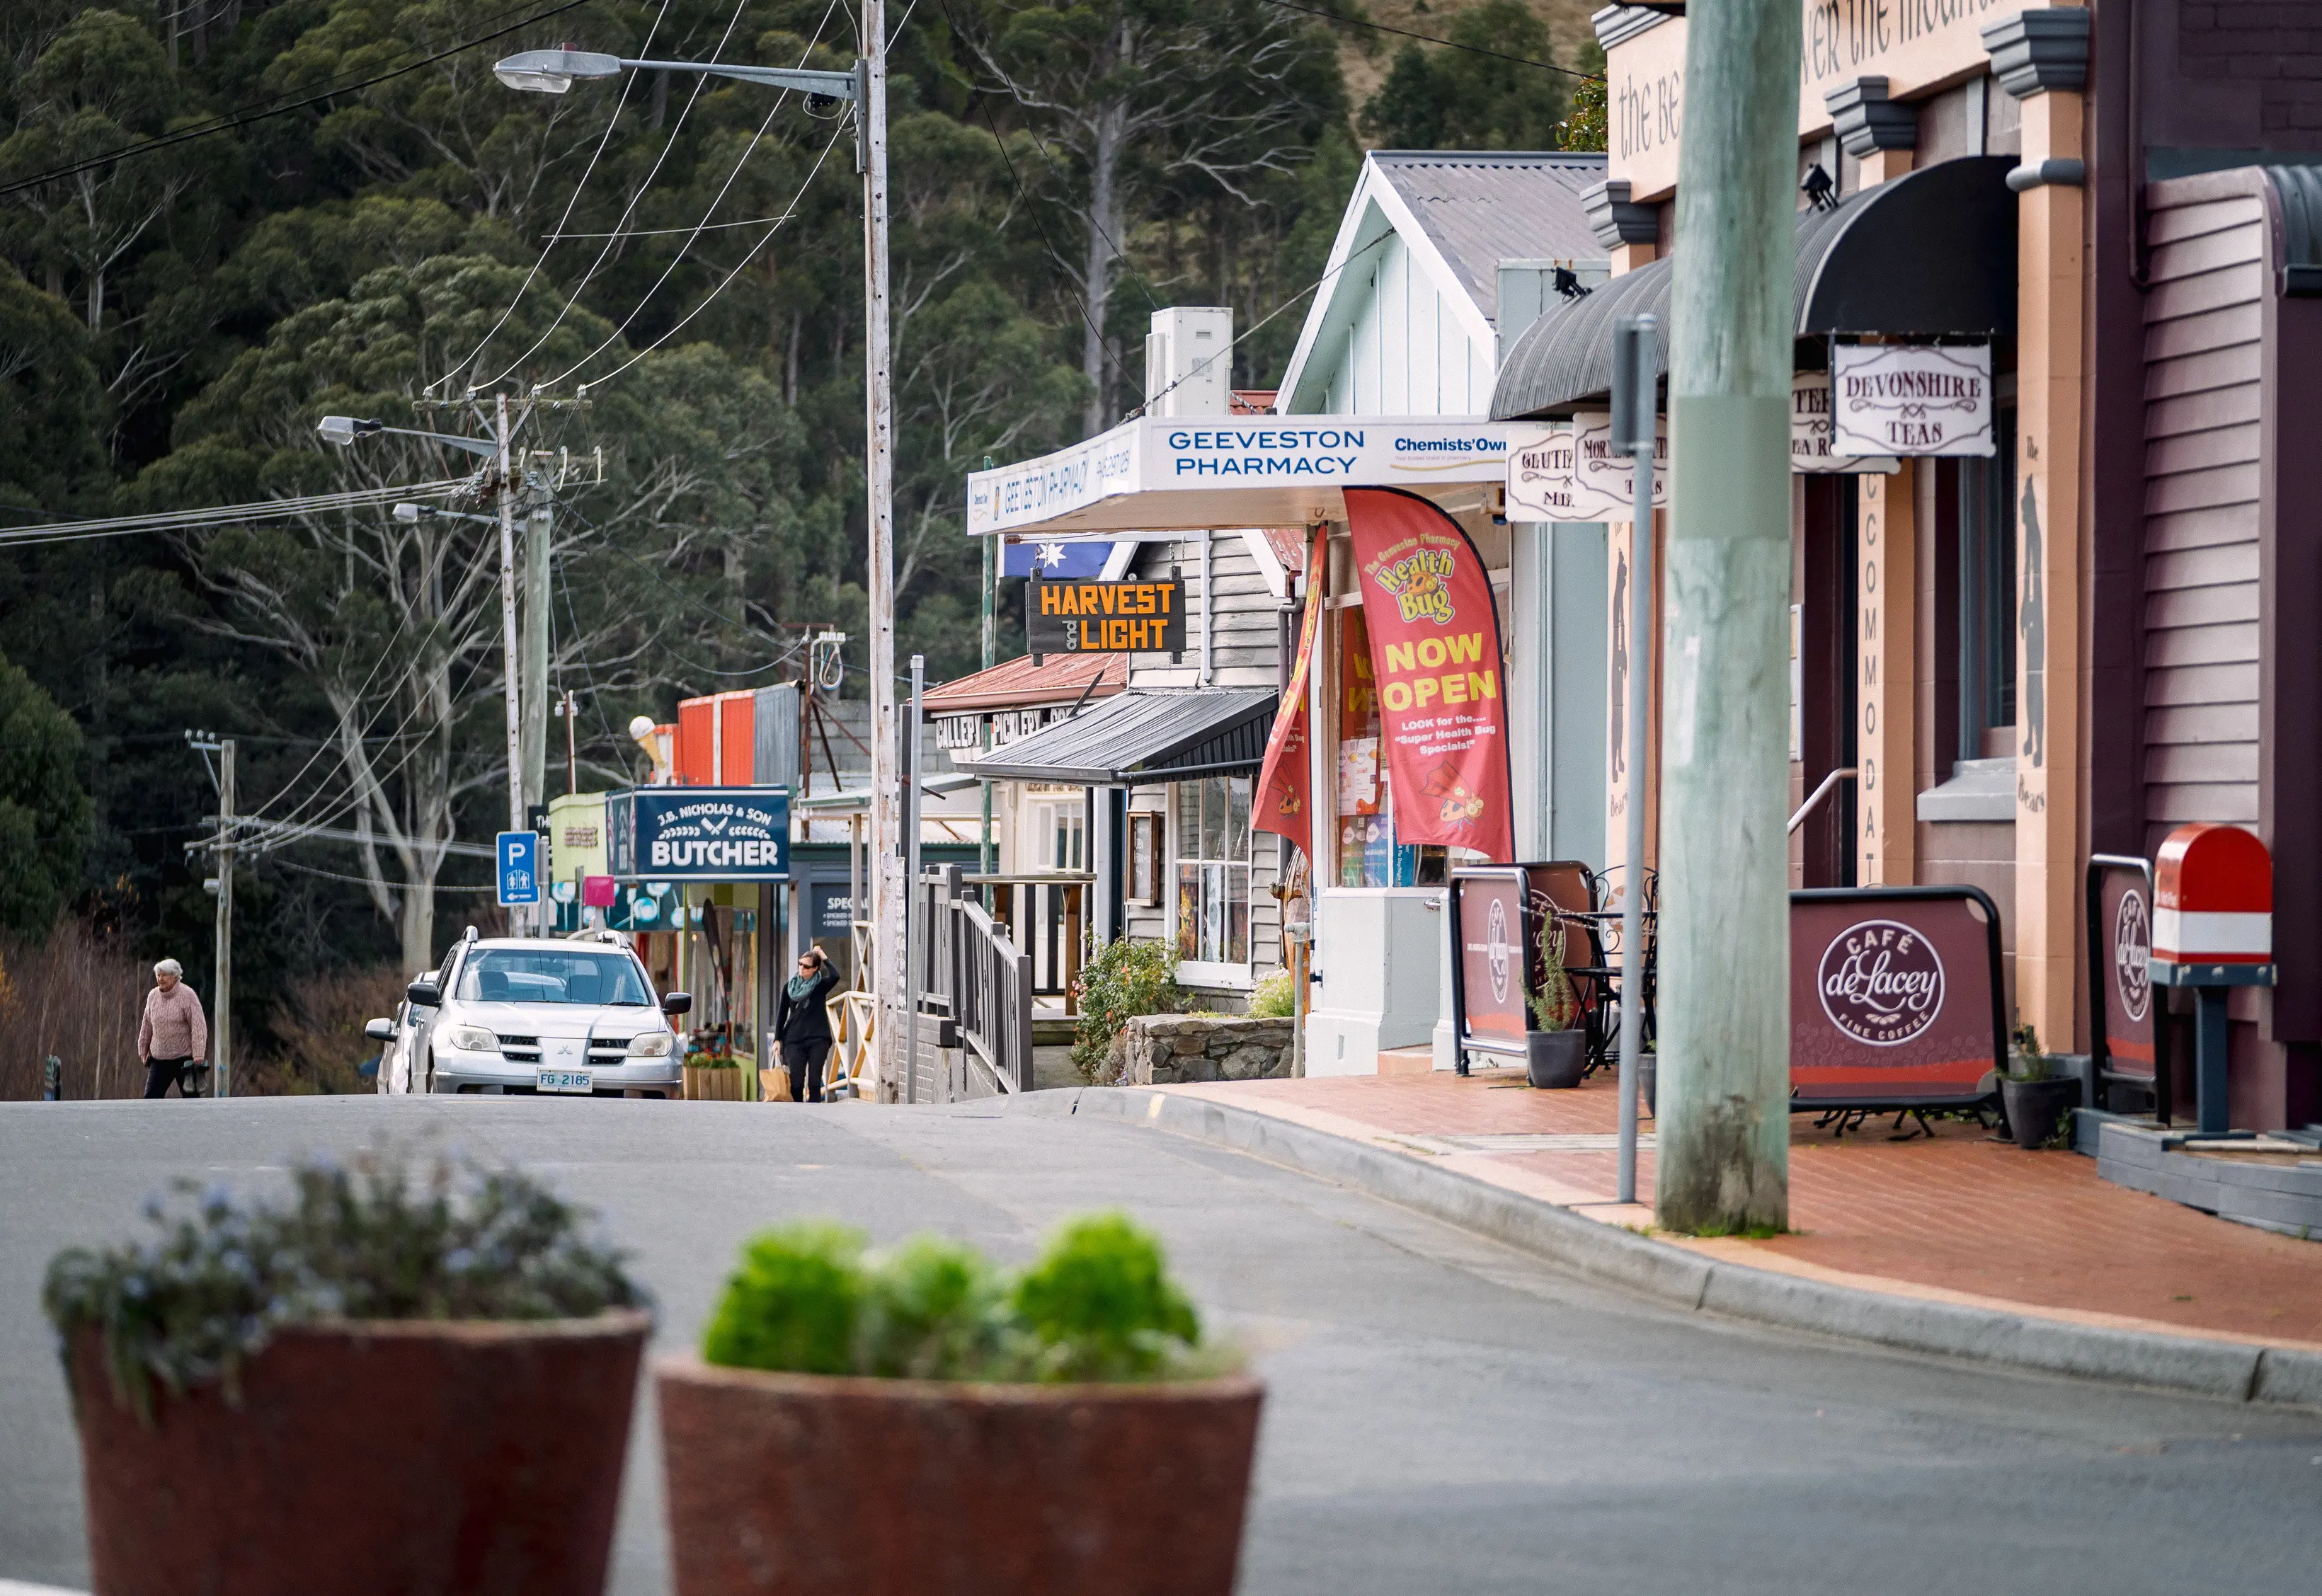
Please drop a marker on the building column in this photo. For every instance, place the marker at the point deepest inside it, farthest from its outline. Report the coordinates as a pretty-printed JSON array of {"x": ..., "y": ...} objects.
[
  {"x": 1887, "y": 584},
  {"x": 1630, "y": 235},
  {"x": 2041, "y": 57},
  {"x": 1882, "y": 135}
]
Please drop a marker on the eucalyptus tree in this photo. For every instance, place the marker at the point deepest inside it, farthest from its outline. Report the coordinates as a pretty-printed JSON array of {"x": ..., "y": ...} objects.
[
  {"x": 1134, "y": 99},
  {"x": 396, "y": 621}
]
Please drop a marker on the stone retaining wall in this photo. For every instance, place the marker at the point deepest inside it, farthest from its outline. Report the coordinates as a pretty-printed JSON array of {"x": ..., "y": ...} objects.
[{"x": 1165, "y": 1049}]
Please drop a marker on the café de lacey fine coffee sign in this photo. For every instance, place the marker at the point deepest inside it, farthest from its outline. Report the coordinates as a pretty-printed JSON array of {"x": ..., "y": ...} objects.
[
  {"x": 1910, "y": 398},
  {"x": 1893, "y": 995}
]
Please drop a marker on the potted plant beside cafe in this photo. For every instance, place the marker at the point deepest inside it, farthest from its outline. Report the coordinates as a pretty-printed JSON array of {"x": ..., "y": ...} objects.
[
  {"x": 920, "y": 1421},
  {"x": 395, "y": 1378},
  {"x": 1555, "y": 1047},
  {"x": 712, "y": 1073},
  {"x": 2037, "y": 1100}
]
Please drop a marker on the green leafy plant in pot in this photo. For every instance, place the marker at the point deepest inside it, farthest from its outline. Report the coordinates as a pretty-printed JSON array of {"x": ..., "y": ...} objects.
[
  {"x": 919, "y": 1420},
  {"x": 1556, "y": 1048},
  {"x": 398, "y": 1377},
  {"x": 2038, "y": 1102}
]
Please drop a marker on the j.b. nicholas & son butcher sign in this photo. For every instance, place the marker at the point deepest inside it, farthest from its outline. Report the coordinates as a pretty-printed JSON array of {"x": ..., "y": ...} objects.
[
  {"x": 1894, "y": 997},
  {"x": 701, "y": 833}
]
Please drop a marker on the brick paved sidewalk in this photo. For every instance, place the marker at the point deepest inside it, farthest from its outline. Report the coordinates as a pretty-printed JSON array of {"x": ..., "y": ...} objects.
[{"x": 1959, "y": 1217}]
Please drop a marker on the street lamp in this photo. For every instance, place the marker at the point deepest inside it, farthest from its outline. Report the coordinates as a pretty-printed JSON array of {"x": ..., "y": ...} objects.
[
  {"x": 411, "y": 514},
  {"x": 554, "y": 72},
  {"x": 343, "y": 430}
]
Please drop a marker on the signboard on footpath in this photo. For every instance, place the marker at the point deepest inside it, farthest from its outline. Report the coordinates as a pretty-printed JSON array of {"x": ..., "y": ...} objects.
[
  {"x": 2126, "y": 1035},
  {"x": 701, "y": 833},
  {"x": 1895, "y": 997},
  {"x": 1435, "y": 655},
  {"x": 1492, "y": 964},
  {"x": 1094, "y": 617},
  {"x": 1911, "y": 398}
]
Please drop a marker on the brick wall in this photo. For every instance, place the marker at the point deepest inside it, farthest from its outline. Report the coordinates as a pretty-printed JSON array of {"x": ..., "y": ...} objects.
[{"x": 2273, "y": 45}]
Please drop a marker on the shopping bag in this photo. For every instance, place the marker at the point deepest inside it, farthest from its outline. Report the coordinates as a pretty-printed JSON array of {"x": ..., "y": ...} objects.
[{"x": 775, "y": 1084}]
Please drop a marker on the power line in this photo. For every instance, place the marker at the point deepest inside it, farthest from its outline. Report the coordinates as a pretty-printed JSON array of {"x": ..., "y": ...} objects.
[
  {"x": 748, "y": 256},
  {"x": 611, "y": 122},
  {"x": 232, "y": 119},
  {"x": 274, "y": 509}
]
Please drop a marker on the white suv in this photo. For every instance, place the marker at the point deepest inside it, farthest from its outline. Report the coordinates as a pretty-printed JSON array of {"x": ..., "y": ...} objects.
[{"x": 539, "y": 1014}]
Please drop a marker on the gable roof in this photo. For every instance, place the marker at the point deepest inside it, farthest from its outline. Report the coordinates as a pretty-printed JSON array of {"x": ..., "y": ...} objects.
[
  {"x": 1479, "y": 208},
  {"x": 1459, "y": 213}
]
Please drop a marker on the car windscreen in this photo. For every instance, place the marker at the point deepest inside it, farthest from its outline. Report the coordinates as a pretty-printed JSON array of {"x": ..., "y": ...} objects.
[{"x": 525, "y": 975}]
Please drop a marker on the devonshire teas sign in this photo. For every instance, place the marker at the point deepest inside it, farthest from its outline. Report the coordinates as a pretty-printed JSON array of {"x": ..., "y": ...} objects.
[{"x": 1911, "y": 398}]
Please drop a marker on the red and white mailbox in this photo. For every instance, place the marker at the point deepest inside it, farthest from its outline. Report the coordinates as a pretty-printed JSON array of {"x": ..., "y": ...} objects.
[{"x": 2213, "y": 901}]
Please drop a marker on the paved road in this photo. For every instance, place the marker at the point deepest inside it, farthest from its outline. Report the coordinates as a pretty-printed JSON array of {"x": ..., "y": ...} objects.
[{"x": 1445, "y": 1415}]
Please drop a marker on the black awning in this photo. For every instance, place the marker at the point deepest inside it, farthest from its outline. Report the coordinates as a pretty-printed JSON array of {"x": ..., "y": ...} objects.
[
  {"x": 1139, "y": 737},
  {"x": 1928, "y": 255}
]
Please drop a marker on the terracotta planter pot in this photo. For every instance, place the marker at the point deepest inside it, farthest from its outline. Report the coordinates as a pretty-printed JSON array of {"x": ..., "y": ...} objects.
[
  {"x": 802, "y": 1485},
  {"x": 368, "y": 1458}
]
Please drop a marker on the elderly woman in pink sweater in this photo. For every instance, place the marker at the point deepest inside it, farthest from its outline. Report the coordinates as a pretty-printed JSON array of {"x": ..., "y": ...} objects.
[{"x": 173, "y": 1033}]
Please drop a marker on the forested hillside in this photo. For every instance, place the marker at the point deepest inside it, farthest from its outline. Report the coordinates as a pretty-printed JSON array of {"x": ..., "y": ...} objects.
[{"x": 223, "y": 219}]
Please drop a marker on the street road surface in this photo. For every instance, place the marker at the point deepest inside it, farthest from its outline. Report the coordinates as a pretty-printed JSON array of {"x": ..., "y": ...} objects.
[{"x": 1444, "y": 1415}]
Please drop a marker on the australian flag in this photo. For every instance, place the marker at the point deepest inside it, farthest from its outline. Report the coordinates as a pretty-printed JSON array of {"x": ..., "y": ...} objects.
[{"x": 1058, "y": 558}]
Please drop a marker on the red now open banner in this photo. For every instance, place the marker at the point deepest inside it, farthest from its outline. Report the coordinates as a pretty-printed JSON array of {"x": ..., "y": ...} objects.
[
  {"x": 1281, "y": 806},
  {"x": 1435, "y": 655}
]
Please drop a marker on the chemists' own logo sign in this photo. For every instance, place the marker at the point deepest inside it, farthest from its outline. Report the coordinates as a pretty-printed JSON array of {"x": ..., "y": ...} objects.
[
  {"x": 2132, "y": 954},
  {"x": 1881, "y": 982}
]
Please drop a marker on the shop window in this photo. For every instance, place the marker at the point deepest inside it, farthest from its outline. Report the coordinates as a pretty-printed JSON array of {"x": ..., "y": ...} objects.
[
  {"x": 1986, "y": 595},
  {"x": 1059, "y": 838},
  {"x": 1212, "y": 824},
  {"x": 1369, "y": 853},
  {"x": 1145, "y": 859}
]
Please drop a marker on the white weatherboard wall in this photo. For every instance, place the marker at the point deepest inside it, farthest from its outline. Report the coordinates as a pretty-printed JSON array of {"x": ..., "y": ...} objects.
[{"x": 1409, "y": 350}]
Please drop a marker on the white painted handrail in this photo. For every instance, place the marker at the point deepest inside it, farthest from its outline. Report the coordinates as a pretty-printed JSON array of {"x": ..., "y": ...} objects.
[{"x": 1844, "y": 772}]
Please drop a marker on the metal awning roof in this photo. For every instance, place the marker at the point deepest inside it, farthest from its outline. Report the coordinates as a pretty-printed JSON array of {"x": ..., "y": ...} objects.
[
  {"x": 1155, "y": 736},
  {"x": 1928, "y": 255},
  {"x": 1190, "y": 473}
]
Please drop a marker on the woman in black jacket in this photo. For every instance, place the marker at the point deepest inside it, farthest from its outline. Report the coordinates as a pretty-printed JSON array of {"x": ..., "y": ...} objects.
[{"x": 802, "y": 1025}]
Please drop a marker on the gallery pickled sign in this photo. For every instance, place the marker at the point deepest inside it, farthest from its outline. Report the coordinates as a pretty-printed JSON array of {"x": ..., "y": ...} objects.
[
  {"x": 1098, "y": 617},
  {"x": 1894, "y": 997}
]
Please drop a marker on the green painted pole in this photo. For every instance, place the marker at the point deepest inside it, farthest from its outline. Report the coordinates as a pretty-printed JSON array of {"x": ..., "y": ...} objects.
[{"x": 1722, "y": 1139}]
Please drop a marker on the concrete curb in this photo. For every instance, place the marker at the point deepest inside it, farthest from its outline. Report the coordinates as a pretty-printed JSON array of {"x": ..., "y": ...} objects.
[{"x": 1671, "y": 1274}]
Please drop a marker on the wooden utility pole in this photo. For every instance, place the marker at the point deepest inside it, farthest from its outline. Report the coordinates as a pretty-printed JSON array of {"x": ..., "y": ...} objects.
[
  {"x": 512, "y": 667},
  {"x": 887, "y": 884},
  {"x": 222, "y": 997},
  {"x": 536, "y": 532},
  {"x": 1723, "y": 1133}
]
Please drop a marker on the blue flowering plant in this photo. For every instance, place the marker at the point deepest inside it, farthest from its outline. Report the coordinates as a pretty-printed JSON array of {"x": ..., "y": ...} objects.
[
  {"x": 1099, "y": 1305},
  {"x": 384, "y": 1236}
]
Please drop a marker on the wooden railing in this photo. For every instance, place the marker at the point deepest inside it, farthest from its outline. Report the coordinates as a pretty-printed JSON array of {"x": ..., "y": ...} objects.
[
  {"x": 1047, "y": 914},
  {"x": 976, "y": 983}
]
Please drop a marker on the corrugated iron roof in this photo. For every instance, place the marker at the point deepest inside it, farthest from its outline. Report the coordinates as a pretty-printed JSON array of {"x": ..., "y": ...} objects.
[
  {"x": 1012, "y": 684},
  {"x": 1140, "y": 737},
  {"x": 1481, "y": 208}
]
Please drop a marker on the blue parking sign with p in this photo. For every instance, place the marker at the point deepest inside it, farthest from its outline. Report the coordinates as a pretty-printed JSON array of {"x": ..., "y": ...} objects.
[{"x": 519, "y": 868}]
